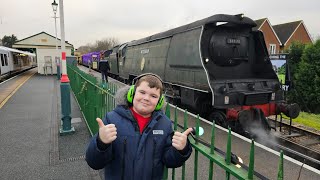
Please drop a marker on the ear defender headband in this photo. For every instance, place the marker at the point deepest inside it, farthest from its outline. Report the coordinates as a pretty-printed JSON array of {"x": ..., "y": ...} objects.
[{"x": 132, "y": 90}]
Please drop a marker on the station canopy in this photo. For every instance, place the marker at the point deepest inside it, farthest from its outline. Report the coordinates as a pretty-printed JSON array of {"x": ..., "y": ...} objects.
[{"x": 17, "y": 51}]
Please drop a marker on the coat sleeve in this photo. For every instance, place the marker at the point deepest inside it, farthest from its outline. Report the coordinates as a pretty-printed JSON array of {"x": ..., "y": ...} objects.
[
  {"x": 172, "y": 158},
  {"x": 96, "y": 158}
]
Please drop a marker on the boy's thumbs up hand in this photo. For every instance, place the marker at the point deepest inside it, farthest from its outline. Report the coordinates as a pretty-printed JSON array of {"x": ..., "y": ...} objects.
[
  {"x": 179, "y": 140},
  {"x": 107, "y": 133}
]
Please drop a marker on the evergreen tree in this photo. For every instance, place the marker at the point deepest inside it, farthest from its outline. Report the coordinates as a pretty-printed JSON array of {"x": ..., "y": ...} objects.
[
  {"x": 308, "y": 77},
  {"x": 8, "y": 41},
  {"x": 295, "y": 53}
]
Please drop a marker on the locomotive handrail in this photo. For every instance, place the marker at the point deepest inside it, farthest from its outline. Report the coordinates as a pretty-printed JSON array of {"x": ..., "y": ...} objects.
[{"x": 95, "y": 101}]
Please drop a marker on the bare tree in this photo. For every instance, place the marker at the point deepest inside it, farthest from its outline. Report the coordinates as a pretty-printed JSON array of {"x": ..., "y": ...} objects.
[
  {"x": 84, "y": 49},
  {"x": 105, "y": 44},
  {"x": 99, "y": 45}
]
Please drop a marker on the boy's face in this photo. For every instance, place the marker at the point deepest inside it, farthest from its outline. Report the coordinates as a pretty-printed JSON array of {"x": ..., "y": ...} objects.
[{"x": 145, "y": 99}]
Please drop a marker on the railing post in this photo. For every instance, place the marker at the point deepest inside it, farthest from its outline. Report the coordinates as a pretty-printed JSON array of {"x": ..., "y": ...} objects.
[
  {"x": 168, "y": 111},
  {"x": 196, "y": 153},
  {"x": 175, "y": 129},
  {"x": 251, "y": 162},
  {"x": 212, "y": 150},
  {"x": 280, "y": 168},
  {"x": 165, "y": 173},
  {"x": 228, "y": 155},
  {"x": 185, "y": 127}
]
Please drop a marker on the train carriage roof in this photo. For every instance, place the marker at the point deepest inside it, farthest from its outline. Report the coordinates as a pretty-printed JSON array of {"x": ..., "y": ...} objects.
[
  {"x": 232, "y": 19},
  {"x": 16, "y": 51}
]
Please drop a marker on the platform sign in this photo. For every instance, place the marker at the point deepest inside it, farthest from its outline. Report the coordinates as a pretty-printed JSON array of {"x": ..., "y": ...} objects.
[
  {"x": 95, "y": 65},
  {"x": 278, "y": 56},
  {"x": 279, "y": 63}
]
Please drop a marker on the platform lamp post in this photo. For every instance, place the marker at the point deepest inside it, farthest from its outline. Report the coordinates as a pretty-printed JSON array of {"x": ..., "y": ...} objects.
[
  {"x": 54, "y": 8},
  {"x": 65, "y": 83}
]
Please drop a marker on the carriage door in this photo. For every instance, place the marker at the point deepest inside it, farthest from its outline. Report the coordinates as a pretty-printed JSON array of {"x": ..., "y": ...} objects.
[
  {"x": 122, "y": 60},
  {"x": 4, "y": 64},
  {"x": 0, "y": 65}
]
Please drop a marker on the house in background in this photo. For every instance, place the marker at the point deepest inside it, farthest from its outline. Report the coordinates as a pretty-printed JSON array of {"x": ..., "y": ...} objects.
[
  {"x": 44, "y": 46},
  {"x": 290, "y": 32},
  {"x": 273, "y": 43}
]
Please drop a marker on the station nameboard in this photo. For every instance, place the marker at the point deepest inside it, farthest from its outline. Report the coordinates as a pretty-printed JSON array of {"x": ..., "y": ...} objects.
[{"x": 278, "y": 56}]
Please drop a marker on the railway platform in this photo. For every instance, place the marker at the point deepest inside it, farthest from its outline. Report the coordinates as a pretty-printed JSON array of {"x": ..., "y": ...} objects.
[{"x": 30, "y": 144}]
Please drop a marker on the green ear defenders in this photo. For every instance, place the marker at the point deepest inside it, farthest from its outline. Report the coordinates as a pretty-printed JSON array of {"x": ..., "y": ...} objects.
[
  {"x": 131, "y": 92},
  {"x": 160, "y": 103}
]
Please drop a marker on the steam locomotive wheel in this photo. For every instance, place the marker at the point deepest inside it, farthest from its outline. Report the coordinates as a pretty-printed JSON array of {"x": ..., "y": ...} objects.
[{"x": 219, "y": 118}]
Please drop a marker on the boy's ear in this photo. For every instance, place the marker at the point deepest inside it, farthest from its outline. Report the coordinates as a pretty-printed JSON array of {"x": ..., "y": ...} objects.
[{"x": 130, "y": 94}]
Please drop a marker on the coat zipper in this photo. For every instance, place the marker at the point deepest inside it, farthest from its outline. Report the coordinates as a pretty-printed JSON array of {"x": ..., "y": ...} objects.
[
  {"x": 123, "y": 157},
  {"x": 153, "y": 155}
]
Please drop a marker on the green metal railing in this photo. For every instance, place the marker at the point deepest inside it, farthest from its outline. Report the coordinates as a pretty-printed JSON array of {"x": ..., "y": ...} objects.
[{"x": 95, "y": 101}]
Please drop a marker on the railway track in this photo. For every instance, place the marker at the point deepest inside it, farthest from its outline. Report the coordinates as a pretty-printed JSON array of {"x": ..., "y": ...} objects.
[{"x": 297, "y": 142}]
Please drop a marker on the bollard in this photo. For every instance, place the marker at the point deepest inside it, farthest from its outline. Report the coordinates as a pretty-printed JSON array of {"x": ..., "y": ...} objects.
[{"x": 66, "y": 109}]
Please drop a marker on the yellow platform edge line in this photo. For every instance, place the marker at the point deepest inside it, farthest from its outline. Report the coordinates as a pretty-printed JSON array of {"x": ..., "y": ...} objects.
[{"x": 14, "y": 91}]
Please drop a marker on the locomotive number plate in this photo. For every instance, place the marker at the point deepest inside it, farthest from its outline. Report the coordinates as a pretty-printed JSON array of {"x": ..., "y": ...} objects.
[{"x": 233, "y": 41}]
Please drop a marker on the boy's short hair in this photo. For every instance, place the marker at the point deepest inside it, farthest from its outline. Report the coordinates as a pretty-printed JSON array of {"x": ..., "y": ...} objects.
[{"x": 153, "y": 81}]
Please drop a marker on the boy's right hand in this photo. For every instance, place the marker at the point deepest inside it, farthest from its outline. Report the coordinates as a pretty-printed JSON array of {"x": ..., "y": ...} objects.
[{"x": 107, "y": 133}]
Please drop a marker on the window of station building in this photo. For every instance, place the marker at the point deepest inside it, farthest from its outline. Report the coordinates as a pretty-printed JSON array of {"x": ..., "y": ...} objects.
[{"x": 272, "y": 49}]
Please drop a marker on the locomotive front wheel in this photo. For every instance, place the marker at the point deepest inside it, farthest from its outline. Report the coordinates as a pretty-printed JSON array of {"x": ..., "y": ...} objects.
[{"x": 219, "y": 118}]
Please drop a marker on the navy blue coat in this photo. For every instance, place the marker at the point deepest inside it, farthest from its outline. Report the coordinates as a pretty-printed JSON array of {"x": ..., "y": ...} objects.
[
  {"x": 133, "y": 155},
  {"x": 104, "y": 66}
]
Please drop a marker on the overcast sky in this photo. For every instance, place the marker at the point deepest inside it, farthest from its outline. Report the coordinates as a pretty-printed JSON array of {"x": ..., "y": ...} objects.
[{"x": 89, "y": 20}]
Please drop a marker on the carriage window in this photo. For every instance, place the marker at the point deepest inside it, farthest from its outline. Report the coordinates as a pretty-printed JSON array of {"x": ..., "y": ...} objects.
[
  {"x": 15, "y": 59},
  {"x": 2, "y": 60},
  {"x": 6, "y": 59}
]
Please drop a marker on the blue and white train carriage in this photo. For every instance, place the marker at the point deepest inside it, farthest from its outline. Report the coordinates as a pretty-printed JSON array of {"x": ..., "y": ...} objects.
[{"x": 13, "y": 61}]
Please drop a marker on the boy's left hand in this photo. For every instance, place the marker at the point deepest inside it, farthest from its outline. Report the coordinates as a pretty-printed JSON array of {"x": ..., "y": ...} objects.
[{"x": 179, "y": 140}]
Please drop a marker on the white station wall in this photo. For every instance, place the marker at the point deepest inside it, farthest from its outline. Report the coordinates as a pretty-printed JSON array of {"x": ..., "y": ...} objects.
[{"x": 43, "y": 54}]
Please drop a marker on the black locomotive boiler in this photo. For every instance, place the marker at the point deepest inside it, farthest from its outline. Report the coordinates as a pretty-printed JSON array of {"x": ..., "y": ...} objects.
[{"x": 217, "y": 67}]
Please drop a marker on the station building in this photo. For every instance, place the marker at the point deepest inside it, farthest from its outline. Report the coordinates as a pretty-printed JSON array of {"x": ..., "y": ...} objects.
[{"x": 44, "y": 46}]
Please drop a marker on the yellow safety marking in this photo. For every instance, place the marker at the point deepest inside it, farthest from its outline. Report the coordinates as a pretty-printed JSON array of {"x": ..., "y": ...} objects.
[{"x": 14, "y": 91}]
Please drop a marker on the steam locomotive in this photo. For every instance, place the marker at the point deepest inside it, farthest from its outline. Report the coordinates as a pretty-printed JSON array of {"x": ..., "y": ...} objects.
[{"x": 218, "y": 67}]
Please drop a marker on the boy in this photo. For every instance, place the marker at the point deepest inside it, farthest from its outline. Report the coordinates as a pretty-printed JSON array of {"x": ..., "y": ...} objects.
[{"x": 136, "y": 140}]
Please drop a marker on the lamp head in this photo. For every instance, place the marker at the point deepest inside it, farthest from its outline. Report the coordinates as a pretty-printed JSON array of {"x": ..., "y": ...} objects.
[{"x": 54, "y": 6}]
